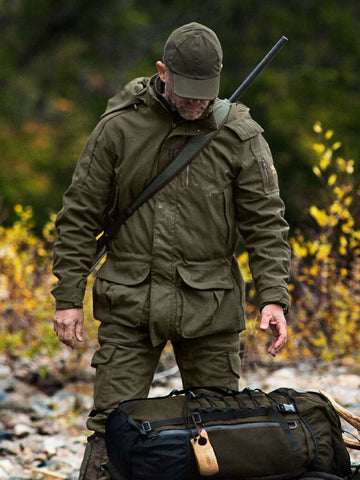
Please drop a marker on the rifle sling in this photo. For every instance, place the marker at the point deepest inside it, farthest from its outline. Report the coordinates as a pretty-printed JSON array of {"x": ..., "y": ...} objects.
[{"x": 191, "y": 149}]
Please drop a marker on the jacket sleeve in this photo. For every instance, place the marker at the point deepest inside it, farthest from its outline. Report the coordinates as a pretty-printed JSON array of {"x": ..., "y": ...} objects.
[
  {"x": 81, "y": 218},
  {"x": 260, "y": 220}
]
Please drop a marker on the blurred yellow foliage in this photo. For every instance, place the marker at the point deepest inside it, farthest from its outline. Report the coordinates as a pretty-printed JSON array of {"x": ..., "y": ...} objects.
[
  {"x": 324, "y": 319},
  {"x": 26, "y": 305},
  {"x": 326, "y": 278}
]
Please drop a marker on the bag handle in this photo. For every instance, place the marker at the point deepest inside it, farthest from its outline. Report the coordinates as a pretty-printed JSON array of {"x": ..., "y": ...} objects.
[{"x": 191, "y": 391}]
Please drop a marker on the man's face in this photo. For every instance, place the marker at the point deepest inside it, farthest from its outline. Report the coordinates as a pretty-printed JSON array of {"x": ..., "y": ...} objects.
[{"x": 188, "y": 108}]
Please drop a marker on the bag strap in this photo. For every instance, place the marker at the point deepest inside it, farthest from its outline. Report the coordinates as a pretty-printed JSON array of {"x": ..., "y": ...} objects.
[
  {"x": 192, "y": 391},
  {"x": 203, "y": 415},
  {"x": 186, "y": 155}
]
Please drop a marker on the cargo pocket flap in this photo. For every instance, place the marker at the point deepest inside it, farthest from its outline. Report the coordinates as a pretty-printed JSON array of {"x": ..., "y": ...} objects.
[
  {"x": 124, "y": 273},
  {"x": 103, "y": 355},
  {"x": 206, "y": 277}
]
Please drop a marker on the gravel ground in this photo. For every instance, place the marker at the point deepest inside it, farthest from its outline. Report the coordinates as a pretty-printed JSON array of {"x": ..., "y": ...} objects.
[{"x": 42, "y": 429}]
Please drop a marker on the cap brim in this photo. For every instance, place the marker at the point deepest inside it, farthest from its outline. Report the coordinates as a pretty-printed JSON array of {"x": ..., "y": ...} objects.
[{"x": 199, "y": 89}]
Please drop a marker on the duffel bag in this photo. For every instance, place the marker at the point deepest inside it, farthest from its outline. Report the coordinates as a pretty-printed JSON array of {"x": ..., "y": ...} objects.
[{"x": 248, "y": 435}]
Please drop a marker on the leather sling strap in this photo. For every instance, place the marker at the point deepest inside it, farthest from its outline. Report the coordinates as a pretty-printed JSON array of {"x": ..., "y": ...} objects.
[{"x": 191, "y": 149}]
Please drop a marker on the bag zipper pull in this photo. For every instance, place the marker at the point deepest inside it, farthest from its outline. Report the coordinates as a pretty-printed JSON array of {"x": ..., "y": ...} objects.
[{"x": 204, "y": 454}]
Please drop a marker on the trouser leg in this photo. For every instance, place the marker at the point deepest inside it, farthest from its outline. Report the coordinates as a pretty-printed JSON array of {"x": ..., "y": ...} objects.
[
  {"x": 125, "y": 366},
  {"x": 213, "y": 360},
  {"x": 92, "y": 467}
]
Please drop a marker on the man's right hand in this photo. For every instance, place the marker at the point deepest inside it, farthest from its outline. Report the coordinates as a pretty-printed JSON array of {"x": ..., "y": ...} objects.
[{"x": 68, "y": 325}]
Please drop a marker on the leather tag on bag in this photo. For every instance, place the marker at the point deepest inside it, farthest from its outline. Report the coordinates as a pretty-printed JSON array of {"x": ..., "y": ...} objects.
[{"x": 204, "y": 454}]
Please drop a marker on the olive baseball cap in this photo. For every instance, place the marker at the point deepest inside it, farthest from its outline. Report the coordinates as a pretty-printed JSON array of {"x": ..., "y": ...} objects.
[{"x": 193, "y": 54}]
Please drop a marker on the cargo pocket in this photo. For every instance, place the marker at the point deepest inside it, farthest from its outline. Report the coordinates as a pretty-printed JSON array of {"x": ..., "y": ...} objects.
[
  {"x": 202, "y": 294},
  {"x": 102, "y": 388},
  {"x": 121, "y": 292}
]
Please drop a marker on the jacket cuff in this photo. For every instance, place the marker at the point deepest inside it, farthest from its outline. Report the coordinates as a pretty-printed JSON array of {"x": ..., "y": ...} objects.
[
  {"x": 282, "y": 305},
  {"x": 279, "y": 296},
  {"x": 68, "y": 297},
  {"x": 60, "y": 305}
]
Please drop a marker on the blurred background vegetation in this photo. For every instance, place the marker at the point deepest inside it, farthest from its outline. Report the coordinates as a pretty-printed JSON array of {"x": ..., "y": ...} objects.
[{"x": 61, "y": 61}]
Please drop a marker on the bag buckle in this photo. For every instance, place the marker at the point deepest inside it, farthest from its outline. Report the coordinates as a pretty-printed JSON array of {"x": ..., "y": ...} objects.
[
  {"x": 146, "y": 427},
  {"x": 286, "y": 408},
  {"x": 196, "y": 417}
]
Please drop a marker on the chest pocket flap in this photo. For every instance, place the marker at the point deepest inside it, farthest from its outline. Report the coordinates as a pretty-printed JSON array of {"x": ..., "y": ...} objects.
[
  {"x": 206, "y": 277},
  {"x": 124, "y": 273}
]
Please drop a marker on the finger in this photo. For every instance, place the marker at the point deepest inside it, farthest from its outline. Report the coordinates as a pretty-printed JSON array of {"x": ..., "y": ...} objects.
[
  {"x": 65, "y": 331},
  {"x": 67, "y": 335},
  {"x": 279, "y": 341},
  {"x": 264, "y": 323},
  {"x": 70, "y": 342}
]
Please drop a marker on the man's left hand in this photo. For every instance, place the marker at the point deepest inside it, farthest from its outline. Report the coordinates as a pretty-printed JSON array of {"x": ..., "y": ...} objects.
[{"x": 273, "y": 316}]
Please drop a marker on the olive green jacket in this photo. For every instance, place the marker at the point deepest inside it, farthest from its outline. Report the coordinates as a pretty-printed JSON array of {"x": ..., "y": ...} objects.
[{"x": 171, "y": 265}]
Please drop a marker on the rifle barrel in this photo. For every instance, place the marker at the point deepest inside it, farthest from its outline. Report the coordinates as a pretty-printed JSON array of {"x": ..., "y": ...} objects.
[{"x": 261, "y": 65}]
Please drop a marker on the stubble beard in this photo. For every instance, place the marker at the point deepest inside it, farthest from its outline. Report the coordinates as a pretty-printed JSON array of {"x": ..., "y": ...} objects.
[{"x": 186, "y": 110}]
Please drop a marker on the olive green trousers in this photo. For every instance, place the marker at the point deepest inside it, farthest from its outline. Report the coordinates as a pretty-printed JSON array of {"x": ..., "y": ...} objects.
[{"x": 126, "y": 362}]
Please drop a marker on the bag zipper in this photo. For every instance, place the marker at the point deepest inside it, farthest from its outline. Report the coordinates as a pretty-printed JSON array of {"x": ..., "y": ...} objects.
[{"x": 212, "y": 428}]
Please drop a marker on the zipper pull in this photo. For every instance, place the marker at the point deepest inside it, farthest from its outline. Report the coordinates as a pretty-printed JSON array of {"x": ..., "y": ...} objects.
[{"x": 204, "y": 454}]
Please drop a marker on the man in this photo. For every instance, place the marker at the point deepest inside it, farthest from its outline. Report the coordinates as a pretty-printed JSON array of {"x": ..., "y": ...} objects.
[{"x": 170, "y": 272}]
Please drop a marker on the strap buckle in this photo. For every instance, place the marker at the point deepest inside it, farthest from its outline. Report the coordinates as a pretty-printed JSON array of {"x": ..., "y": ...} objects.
[{"x": 146, "y": 427}]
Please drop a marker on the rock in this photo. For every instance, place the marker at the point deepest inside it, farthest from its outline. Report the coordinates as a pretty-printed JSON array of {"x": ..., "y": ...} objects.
[
  {"x": 347, "y": 397},
  {"x": 15, "y": 401},
  {"x": 3, "y": 399},
  {"x": 348, "y": 381},
  {"x": 33, "y": 444},
  {"x": 73, "y": 476},
  {"x": 46, "y": 426},
  {"x": 284, "y": 377},
  {"x": 6, "y": 435},
  {"x": 25, "y": 477},
  {"x": 51, "y": 444},
  {"x": 7, "y": 385},
  {"x": 22, "y": 429},
  {"x": 5, "y": 371},
  {"x": 64, "y": 402},
  {"x": 6, "y": 467},
  {"x": 40, "y": 405},
  {"x": 7, "y": 447},
  {"x": 13, "y": 418}
]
